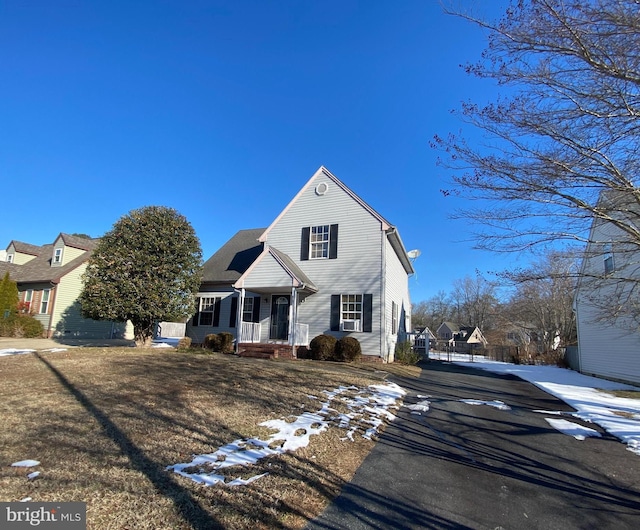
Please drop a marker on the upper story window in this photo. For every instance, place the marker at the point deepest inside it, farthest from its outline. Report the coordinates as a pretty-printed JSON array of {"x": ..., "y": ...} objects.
[
  {"x": 319, "y": 242},
  {"x": 9, "y": 258},
  {"x": 609, "y": 264},
  {"x": 57, "y": 255}
]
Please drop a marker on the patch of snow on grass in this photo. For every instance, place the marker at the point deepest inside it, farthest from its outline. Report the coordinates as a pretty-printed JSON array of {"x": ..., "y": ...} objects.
[
  {"x": 13, "y": 351},
  {"x": 26, "y": 463},
  {"x": 367, "y": 407}
]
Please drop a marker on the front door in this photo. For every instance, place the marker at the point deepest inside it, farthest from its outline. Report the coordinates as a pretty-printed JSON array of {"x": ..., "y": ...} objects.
[{"x": 280, "y": 317}]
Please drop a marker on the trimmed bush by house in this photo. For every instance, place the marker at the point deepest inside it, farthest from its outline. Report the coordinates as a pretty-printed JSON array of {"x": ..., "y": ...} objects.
[
  {"x": 323, "y": 347},
  {"x": 20, "y": 326},
  {"x": 212, "y": 342},
  {"x": 184, "y": 343},
  {"x": 226, "y": 342},
  {"x": 348, "y": 349}
]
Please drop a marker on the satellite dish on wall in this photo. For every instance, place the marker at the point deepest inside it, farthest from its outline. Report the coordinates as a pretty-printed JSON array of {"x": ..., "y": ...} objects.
[{"x": 413, "y": 254}]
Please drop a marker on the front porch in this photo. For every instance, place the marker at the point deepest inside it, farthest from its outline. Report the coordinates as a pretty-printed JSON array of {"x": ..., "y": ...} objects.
[{"x": 276, "y": 346}]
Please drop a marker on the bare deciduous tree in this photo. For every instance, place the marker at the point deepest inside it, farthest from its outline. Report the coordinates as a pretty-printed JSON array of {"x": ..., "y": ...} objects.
[{"x": 565, "y": 130}]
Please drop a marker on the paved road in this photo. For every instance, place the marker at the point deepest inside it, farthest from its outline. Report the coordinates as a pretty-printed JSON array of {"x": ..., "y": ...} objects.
[{"x": 475, "y": 466}]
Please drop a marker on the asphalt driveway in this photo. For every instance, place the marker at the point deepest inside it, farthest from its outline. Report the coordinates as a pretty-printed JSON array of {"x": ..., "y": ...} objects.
[{"x": 459, "y": 465}]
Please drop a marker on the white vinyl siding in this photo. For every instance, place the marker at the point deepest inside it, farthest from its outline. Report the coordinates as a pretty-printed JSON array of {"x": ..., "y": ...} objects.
[
  {"x": 396, "y": 294},
  {"x": 357, "y": 268},
  {"x": 607, "y": 348}
]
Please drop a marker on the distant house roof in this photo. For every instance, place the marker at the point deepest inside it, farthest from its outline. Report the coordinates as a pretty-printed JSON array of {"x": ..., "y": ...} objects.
[
  {"x": 83, "y": 243},
  {"x": 39, "y": 269},
  {"x": 26, "y": 248},
  {"x": 234, "y": 257}
]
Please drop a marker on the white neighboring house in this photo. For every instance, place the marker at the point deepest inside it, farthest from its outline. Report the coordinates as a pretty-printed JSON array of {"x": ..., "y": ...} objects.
[
  {"x": 608, "y": 344},
  {"x": 328, "y": 264}
]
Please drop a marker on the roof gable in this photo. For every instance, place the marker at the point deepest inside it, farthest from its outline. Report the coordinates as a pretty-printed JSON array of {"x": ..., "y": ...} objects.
[
  {"x": 325, "y": 173},
  {"x": 323, "y": 177}
]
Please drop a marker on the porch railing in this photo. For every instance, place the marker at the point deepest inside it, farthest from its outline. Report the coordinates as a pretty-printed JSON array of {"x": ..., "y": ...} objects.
[{"x": 250, "y": 332}]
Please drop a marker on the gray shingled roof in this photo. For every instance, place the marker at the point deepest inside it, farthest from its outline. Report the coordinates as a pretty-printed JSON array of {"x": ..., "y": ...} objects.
[
  {"x": 234, "y": 257},
  {"x": 39, "y": 269}
]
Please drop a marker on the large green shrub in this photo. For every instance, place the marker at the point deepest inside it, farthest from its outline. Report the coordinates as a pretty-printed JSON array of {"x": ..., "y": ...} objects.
[
  {"x": 323, "y": 347},
  {"x": 146, "y": 269},
  {"x": 348, "y": 349}
]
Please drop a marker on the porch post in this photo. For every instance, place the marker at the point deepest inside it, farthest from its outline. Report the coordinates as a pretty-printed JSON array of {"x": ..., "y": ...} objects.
[
  {"x": 293, "y": 320},
  {"x": 239, "y": 312}
]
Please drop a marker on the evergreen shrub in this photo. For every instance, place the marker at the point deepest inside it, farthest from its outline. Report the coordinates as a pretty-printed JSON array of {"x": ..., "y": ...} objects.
[
  {"x": 323, "y": 347},
  {"x": 226, "y": 342},
  {"x": 404, "y": 353},
  {"x": 348, "y": 349},
  {"x": 212, "y": 342}
]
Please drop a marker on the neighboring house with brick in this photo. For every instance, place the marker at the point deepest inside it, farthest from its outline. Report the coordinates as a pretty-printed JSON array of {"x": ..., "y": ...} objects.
[
  {"x": 49, "y": 280},
  {"x": 328, "y": 264}
]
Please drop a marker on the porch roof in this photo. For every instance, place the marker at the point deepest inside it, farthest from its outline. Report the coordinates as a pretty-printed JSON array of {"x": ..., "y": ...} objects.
[{"x": 274, "y": 270}]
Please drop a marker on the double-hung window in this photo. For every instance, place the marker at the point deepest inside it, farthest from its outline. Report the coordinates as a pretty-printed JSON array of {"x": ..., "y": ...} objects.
[
  {"x": 351, "y": 312},
  {"x": 44, "y": 301},
  {"x": 28, "y": 297},
  {"x": 57, "y": 255},
  {"x": 207, "y": 308},
  {"x": 247, "y": 309},
  {"x": 319, "y": 241}
]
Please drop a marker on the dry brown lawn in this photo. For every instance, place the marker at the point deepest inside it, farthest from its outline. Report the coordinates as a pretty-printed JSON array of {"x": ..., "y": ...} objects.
[{"x": 105, "y": 424}]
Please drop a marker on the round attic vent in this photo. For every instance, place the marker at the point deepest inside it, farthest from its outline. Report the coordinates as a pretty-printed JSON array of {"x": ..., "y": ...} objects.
[{"x": 322, "y": 188}]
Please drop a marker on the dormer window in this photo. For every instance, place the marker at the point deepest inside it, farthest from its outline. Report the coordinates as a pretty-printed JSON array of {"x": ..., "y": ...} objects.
[
  {"x": 9, "y": 258},
  {"x": 57, "y": 256}
]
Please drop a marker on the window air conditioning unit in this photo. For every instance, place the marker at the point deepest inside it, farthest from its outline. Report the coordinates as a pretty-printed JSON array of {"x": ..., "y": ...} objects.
[{"x": 350, "y": 325}]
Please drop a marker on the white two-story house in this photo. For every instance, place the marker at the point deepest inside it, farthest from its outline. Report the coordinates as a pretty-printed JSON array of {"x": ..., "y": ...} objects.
[{"x": 328, "y": 264}]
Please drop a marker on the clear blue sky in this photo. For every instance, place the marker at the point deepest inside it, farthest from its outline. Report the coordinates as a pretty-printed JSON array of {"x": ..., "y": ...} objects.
[{"x": 224, "y": 109}]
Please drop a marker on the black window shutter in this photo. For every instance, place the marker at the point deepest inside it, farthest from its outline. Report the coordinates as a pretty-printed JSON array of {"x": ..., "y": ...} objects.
[
  {"x": 367, "y": 313},
  {"x": 234, "y": 312},
  {"x": 335, "y": 312},
  {"x": 256, "y": 309},
  {"x": 304, "y": 244},
  {"x": 216, "y": 313},
  {"x": 196, "y": 317},
  {"x": 333, "y": 242}
]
